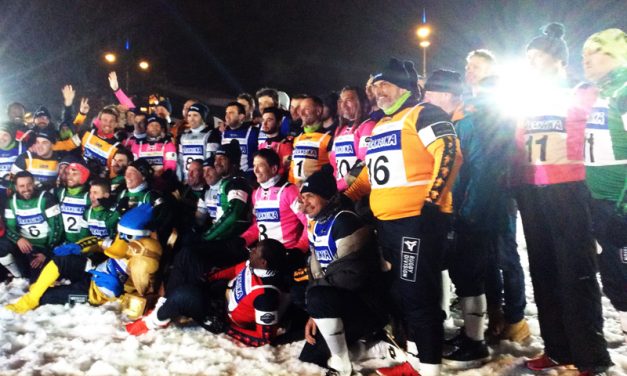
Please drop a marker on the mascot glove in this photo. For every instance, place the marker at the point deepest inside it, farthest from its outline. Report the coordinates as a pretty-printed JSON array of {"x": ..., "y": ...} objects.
[
  {"x": 108, "y": 284},
  {"x": 67, "y": 249}
]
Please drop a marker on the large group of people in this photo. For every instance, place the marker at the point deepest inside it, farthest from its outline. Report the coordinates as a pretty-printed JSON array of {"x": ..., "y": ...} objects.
[{"x": 343, "y": 220}]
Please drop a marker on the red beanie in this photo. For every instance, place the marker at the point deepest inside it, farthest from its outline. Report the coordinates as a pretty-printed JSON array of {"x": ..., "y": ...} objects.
[{"x": 83, "y": 170}]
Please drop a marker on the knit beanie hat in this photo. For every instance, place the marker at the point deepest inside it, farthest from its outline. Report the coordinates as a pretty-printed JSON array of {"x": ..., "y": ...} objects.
[
  {"x": 82, "y": 169},
  {"x": 165, "y": 102},
  {"x": 143, "y": 167},
  {"x": 231, "y": 151},
  {"x": 48, "y": 134},
  {"x": 209, "y": 161},
  {"x": 8, "y": 127},
  {"x": 445, "y": 81},
  {"x": 400, "y": 74},
  {"x": 611, "y": 41},
  {"x": 551, "y": 42},
  {"x": 321, "y": 183},
  {"x": 154, "y": 118},
  {"x": 200, "y": 108},
  {"x": 134, "y": 223},
  {"x": 42, "y": 111}
]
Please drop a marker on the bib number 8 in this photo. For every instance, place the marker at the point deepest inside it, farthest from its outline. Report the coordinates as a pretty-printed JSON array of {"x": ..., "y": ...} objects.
[
  {"x": 263, "y": 231},
  {"x": 379, "y": 172}
]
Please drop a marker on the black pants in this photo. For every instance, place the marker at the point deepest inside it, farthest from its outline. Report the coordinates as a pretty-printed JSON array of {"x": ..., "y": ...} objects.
[
  {"x": 192, "y": 263},
  {"x": 22, "y": 260},
  {"x": 613, "y": 258},
  {"x": 468, "y": 260},
  {"x": 562, "y": 264},
  {"x": 71, "y": 267},
  {"x": 330, "y": 302},
  {"x": 414, "y": 247}
]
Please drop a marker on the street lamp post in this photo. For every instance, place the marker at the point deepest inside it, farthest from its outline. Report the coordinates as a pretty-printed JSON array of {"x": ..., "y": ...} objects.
[
  {"x": 423, "y": 33},
  {"x": 111, "y": 58}
]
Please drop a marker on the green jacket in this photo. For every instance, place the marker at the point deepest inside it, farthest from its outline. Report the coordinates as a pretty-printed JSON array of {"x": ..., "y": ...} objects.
[
  {"x": 236, "y": 203},
  {"x": 606, "y": 141},
  {"x": 73, "y": 203}
]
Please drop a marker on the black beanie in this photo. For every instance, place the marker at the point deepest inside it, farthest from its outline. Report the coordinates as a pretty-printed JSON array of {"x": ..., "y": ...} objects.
[
  {"x": 154, "y": 118},
  {"x": 143, "y": 167},
  {"x": 321, "y": 183},
  {"x": 165, "y": 102},
  {"x": 231, "y": 151},
  {"x": 42, "y": 111},
  {"x": 47, "y": 133},
  {"x": 551, "y": 42},
  {"x": 445, "y": 81},
  {"x": 200, "y": 108},
  {"x": 399, "y": 74}
]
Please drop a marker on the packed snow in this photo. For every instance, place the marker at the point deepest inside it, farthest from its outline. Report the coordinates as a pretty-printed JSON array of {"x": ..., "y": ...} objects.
[{"x": 85, "y": 340}]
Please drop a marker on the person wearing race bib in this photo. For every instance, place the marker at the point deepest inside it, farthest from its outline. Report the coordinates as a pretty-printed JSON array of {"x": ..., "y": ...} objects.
[
  {"x": 101, "y": 218},
  {"x": 42, "y": 162},
  {"x": 244, "y": 132},
  {"x": 10, "y": 149},
  {"x": 412, "y": 159},
  {"x": 554, "y": 206},
  {"x": 198, "y": 141},
  {"x": 138, "y": 176},
  {"x": 242, "y": 301},
  {"x": 311, "y": 148},
  {"x": 157, "y": 148},
  {"x": 273, "y": 138},
  {"x": 74, "y": 201},
  {"x": 350, "y": 136},
  {"x": 33, "y": 224},
  {"x": 276, "y": 208},
  {"x": 208, "y": 209},
  {"x": 344, "y": 293},
  {"x": 605, "y": 64}
]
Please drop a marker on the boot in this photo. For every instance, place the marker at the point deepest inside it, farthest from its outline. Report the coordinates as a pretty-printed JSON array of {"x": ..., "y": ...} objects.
[
  {"x": 30, "y": 300},
  {"x": 496, "y": 322},
  {"x": 517, "y": 332}
]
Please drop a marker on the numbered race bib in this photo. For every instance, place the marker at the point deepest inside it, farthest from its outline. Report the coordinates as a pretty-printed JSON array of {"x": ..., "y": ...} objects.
[
  {"x": 153, "y": 154},
  {"x": 345, "y": 156},
  {"x": 384, "y": 158},
  {"x": 268, "y": 214},
  {"x": 545, "y": 140},
  {"x": 193, "y": 146},
  {"x": 305, "y": 158},
  {"x": 72, "y": 210},
  {"x": 32, "y": 223},
  {"x": 599, "y": 150},
  {"x": 97, "y": 227}
]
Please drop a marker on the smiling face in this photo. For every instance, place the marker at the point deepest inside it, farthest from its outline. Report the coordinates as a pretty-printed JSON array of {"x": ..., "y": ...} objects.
[
  {"x": 5, "y": 139},
  {"x": 263, "y": 171},
  {"x": 73, "y": 177},
  {"x": 310, "y": 112},
  {"x": 349, "y": 105},
  {"x": 133, "y": 177},
  {"x": 597, "y": 64},
  {"x": 153, "y": 130},
  {"x": 312, "y": 203},
  {"x": 43, "y": 147},
  {"x": 96, "y": 193},
  {"x": 25, "y": 186},
  {"x": 386, "y": 93},
  {"x": 107, "y": 123}
]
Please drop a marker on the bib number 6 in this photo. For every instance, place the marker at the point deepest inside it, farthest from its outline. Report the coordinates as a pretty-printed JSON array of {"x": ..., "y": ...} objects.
[{"x": 379, "y": 171}]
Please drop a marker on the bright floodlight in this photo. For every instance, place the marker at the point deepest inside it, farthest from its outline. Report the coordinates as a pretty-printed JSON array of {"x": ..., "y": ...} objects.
[
  {"x": 423, "y": 31},
  {"x": 143, "y": 65},
  {"x": 425, "y": 44},
  {"x": 110, "y": 57}
]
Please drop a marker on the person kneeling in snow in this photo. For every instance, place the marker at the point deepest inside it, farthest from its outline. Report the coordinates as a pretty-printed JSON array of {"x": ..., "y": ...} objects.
[
  {"x": 131, "y": 259},
  {"x": 253, "y": 299}
]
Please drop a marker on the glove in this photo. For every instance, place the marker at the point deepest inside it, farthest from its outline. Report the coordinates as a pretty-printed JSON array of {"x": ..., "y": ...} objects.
[
  {"x": 67, "y": 249},
  {"x": 107, "y": 284},
  {"x": 215, "y": 324}
]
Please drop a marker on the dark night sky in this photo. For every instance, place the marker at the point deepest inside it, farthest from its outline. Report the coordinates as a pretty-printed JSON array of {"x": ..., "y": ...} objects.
[{"x": 241, "y": 45}]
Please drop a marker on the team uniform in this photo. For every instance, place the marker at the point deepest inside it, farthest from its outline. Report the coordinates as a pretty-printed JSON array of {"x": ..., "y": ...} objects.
[
  {"x": 160, "y": 154},
  {"x": 412, "y": 159},
  {"x": 247, "y": 136},
  {"x": 311, "y": 152},
  {"x": 209, "y": 207},
  {"x": 281, "y": 146},
  {"x": 553, "y": 203},
  {"x": 8, "y": 157},
  {"x": 101, "y": 221},
  {"x": 277, "y": 216},
  {"x": 44, "y": 170},
  {"x": 349, "y": 147},
  {"x": 73, "y": 202},
  {"x": 606, "y": 177},
  {"x": 199, "y": 143},
  {"x": 99, "y": 148}
]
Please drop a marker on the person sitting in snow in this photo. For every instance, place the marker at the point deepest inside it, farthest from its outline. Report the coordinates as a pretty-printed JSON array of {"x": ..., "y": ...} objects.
[
  {"x": 128, "y": 264},
  {"x": 254, "y": 296}
]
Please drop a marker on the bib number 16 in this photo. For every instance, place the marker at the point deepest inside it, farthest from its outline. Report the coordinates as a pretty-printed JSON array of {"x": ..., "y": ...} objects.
[{"x": 378, "y": 170}]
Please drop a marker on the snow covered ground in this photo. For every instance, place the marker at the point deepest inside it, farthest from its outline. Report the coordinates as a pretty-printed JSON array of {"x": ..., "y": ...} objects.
[{"x": 84, "y": 340}]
